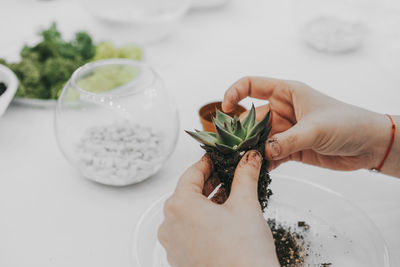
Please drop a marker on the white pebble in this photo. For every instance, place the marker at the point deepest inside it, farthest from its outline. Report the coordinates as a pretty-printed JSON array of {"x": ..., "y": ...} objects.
[{"x": 119, "y": 153}]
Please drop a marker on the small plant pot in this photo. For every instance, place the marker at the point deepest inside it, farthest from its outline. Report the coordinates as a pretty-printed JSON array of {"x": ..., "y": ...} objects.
[{"x": 208, "y": 111}]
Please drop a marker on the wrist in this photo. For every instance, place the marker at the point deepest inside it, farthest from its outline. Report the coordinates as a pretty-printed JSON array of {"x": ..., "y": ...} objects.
[
  {"x": 379, "y": 140},
  {"x": 386, "y": 145},
  {"x": 391, "y": 165}
]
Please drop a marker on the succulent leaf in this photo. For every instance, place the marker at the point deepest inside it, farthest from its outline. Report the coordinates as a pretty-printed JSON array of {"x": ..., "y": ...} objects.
[
  {"x": 232, "y": 135},
  {"x": 250, "y": 120},
  {"x": 209, "y": 133},
  {"x": 222, "y": 117},
  {"x": 223, "y": 120},
  {"x": 250, "y": 142},
  {"x": 226, "y": 137},
  {"x": 220, "y": 124},
  {"x": 264, "y": 135},
  {"x": 239, "y": 130},
  {"x": 259, "y": 126},
  {"x": 203, "y": 137}
]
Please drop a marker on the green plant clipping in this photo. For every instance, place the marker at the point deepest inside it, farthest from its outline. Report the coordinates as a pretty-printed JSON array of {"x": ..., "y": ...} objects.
[
  {"x": 45, "y": 67},
  {"x": 227, "y": 146},
  {"x": 232, "y": 135}
]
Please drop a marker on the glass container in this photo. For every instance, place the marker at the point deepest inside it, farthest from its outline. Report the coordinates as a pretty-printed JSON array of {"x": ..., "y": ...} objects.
[
  {"x": 115, "y": 121},
  {"x": 339, "y": 232}
]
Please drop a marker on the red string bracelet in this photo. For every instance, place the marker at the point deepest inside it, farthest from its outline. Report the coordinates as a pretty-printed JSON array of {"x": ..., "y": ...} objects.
[{"x": 378, "y": 169}]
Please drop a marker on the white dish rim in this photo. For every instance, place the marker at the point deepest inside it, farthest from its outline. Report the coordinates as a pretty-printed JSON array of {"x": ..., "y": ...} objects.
[
  {"x": 12, "y": 86},
  {"x": 387, "y": 257}
]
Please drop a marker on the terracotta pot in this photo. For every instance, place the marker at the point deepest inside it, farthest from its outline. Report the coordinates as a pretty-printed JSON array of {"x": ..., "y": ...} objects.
[{"x": 207, "y": 112}]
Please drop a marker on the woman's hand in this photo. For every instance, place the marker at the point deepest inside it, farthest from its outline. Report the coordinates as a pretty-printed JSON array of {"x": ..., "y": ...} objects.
[
  {"x": 199, "y": 232},
  {"x": 313, "y": 128}
]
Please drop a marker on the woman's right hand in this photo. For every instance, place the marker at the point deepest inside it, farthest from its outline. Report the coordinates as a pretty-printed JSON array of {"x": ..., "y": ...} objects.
[{"x": 313, "y": 128}]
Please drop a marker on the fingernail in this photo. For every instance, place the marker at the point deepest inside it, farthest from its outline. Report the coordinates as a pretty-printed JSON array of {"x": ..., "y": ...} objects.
[
  {"x": 274, "y": 147},
  {"x": 254, "y": 157},
  {"x": 225, "y": 107}
]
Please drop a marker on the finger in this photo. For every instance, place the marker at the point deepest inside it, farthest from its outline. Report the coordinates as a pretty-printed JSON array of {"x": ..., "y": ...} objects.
[
  {"x": 210, "y": 184},
  {"x": 279, "y": 123},
  {"x": 273, "y": 164},
  {"x": 245, "y": 181},
  {"x": 194, "y": 177},
  {"x": 258, "y": 87},
  {"x": 340, "y": 163},
  {"x": 170, "y": 260},
  {"x": 297, "y": 138},
  {"x": 220, "y": 196},
  {"x": 260, "y": 113}
]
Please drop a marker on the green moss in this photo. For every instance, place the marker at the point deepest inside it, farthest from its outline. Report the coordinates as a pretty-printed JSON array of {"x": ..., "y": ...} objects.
[
  {"x": 106, "y": 78},
  {"x": 108, "y": 50},
  {"x": 45, "y": 67}
]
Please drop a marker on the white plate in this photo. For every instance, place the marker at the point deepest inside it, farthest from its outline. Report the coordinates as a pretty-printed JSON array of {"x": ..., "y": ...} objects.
[
  {"x": 340, "y": 233},
  {"x": 8, "y": 77},
  {"x": 35, "y": 103}
]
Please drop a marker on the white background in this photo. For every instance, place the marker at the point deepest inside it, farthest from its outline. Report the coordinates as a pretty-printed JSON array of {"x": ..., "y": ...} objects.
[{"x": 51, "y": 216}]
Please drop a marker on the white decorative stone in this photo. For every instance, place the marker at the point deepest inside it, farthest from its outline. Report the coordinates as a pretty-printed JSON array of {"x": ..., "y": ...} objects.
[{"x": 120, "y": 153}]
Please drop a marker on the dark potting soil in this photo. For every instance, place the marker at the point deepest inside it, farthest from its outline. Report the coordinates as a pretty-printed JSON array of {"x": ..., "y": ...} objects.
[
  {"x": 3, "y": 88},
  {"x": 291, "y": 247},
  {"x": 291, "y": 244},
  {"x": 225, "y": 165}
]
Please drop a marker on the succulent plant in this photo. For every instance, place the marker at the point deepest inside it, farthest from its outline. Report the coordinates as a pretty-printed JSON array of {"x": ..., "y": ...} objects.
[{"x": 232, "y": 135}]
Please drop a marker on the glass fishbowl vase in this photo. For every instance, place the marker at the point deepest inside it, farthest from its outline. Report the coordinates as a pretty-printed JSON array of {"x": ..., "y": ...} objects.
[{"x": 115, "y": 121}]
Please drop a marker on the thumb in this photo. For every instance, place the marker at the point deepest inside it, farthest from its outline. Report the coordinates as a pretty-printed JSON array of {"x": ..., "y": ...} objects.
[
  {"x": 245, "y": 180},
  {"x": 296, "y": 138}
]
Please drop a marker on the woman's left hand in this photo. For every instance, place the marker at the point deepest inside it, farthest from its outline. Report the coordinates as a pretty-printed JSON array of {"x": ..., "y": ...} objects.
[{"x": 199, "y": 232}]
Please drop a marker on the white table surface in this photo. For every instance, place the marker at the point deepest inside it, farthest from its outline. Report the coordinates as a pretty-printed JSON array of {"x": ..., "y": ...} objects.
[{"x": 51, "y": 216}]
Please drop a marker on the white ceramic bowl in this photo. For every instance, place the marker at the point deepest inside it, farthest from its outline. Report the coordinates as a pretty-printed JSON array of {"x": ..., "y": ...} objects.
[
  {"x": 206, "y": 4},
  {"x": 8, "y": 77},
  {"x": 140, "y": 21}
]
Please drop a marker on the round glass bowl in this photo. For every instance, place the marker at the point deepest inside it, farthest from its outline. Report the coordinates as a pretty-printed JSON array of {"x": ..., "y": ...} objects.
[
  {"x": 339, "y": 233},
  {"x": 144, "y": 20},
  {"x": 115, "y": 121}
]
